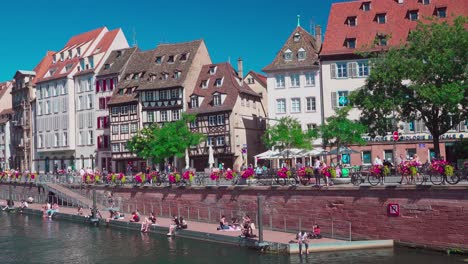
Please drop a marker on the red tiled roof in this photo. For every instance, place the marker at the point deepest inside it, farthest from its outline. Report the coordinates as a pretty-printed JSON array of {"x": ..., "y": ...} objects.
[
  {"x": 397, "y": 24},
  {"x": 262, "y": 79},
  {"x": 43, "y": 66},
  {"x": 230, "y": 87},
  {"x": 106, "y": 41},
  {"x": 84, "y": 37}
]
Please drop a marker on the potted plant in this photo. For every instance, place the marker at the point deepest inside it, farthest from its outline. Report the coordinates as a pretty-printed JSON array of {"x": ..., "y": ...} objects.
[
  {"x": 188, "y": 176},
  {"x": 215, "y": 175},
  {"x": 248, "y": 174},
  {"x": 174, "y": 177}
]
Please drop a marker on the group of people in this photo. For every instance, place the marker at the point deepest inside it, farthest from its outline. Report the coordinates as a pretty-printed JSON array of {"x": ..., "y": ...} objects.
[
  {"x": 400, "y": 161},
  {"x": 177, "y": 223},
  {"x": 246, "y": 227},
  {"x": 49, "y": 210}
]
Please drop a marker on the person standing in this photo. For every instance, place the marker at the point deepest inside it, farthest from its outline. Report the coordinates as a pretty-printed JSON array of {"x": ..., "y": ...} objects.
[
  {"x": 317, "y": 171},
  {"x": 378, "y": 161},
  {"x": 303, "y": 239}
]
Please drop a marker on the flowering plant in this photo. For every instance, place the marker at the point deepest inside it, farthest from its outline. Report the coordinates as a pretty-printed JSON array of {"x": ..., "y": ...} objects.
[
  {"x": 409, "y": 167},
  {"x": 122, "y": 178},
  {"x": 61, "y": 172},
  {"x": 215, "y": 175},
  {"x": 138, "y": 178},
  {"x": 154, "y": 175},
  {"x": 248, "y": 173},
  {"x": 2, "y": 175},
  {"x": 174, "y": 177},
  {"x": 442, "y": 167},
  {"x": 89, "y": 178},
  {"x": 32, "y": 176},
  {"x": 230, "y": 175},
  {"x": 284, "y": 173},
  {"x": 377, "y": 170},
  {"x": 97, "y": 177},
  {"x": 188, "y": 175},
  {"x": 328, "y": 171}
]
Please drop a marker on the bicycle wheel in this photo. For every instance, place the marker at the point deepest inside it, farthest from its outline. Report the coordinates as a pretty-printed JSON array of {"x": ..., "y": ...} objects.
[
  {"x": 281, "y": 181},
  {"x": 356, "y": 179},
  {"x": 373, "y": 179},
  {"x": 419, "y": 179},
  {"x": 454, "y": 179},
  {"x": 436, "y": 178}
]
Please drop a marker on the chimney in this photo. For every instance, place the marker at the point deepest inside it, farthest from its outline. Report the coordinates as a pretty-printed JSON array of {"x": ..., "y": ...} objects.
[
  {"x": 318, "y": 36},
  {"x": 240, "y": 68}
]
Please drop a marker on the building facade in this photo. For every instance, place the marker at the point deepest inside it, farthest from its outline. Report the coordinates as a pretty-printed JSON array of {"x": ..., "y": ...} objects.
[
  {"x": 230, "y": 114},
  {"x": 5, "y": 140},
  {"x": 293, "y": 80},
  {"x": 374, "y": 26},
  {"x": 65, "y": 101}
]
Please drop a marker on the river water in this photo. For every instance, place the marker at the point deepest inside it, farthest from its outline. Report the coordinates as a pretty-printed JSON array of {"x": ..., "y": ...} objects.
[{"x": 32, "y": 239}]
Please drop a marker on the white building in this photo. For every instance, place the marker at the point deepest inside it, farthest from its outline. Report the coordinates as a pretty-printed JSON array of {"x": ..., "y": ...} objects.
[
  {"x": 5, "y": 139},
  {"x": 65, "y": 100},
  {"x": 293, "y": 80}
]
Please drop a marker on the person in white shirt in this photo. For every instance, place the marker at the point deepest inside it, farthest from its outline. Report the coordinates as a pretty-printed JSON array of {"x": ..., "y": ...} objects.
[
  {"x": 303, "y": 239},
  {"x": 317, "y": 171},
  {"x": 378, "y": 161}
]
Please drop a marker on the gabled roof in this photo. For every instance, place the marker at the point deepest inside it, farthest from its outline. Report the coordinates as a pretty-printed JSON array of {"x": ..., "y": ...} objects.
[
  {"x": 230, "y": 87},
  {"x": 306, "y": 42},
  {"x": 117, "y": 61},
  {"x": 262, "y": 79},
  {"x": 84, "y": 37},
  {"x": 43, "y": 65},
  {"x": 397, "y": 26}
]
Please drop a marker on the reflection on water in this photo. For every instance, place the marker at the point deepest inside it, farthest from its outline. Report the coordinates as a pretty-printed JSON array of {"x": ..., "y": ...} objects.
[{"x": 31, "y": 239}]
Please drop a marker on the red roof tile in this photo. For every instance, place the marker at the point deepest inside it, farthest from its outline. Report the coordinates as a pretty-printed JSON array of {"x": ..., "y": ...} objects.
[
  {"x": 397, "y": 24},
  {"x": 262, "y": 79},
  {"x": 43, "y": 66},
  {"x": 84, "y": 37}
]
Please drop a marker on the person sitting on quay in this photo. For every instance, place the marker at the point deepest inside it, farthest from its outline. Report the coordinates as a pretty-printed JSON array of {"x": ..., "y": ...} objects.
[
  {"x": 50, "y": 212},
  {"x": 182, "y": 223},
  {"x": 316, "y": 232},
  {"x": 223, "y": 224},
  {"x": 23, "y": 205},
  {"x": 135, "y": 217},
  {"x": 9, "y": 205},
  {"x": 149, "y": 221},
  {"x": 30, "y": 200},
  {"x": 247, "y": 229},
  {"x": 302, "y": 238},
  {"x": 173, "y": 226},
  {"x": 80, "y": 211}
]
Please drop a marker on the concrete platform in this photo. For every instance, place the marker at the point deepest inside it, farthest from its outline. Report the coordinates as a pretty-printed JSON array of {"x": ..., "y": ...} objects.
[{"x": 274, "y": 241}]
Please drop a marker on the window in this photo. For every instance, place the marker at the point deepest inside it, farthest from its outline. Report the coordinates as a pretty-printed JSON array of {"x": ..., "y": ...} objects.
[
  {"x": 295, "y": 105},
  {"x": 78, "y": 51},
  {"x": 388, "y": 155},
  {"x": 410, "y": 153},
  {"x": 170, "y": 59},
  {"x": 193, "y": 124},
  {"x": 115, "y": 111},
  {"x": 301, "y": 54},
  {"x": 106, "y": 66},
  {"x": 310, "y": 104},
  {"x": 339, "y": 70},
  {"x": 56, "y": 140},
  {"x": 279, "y": 81},
  {"x": 297, "y": 37},
  {"x": 163, "y": 95},
  {"x": 194, "y": 101},
  {"x": 426, "y": 2},
  {"x": 351, "y": 21},
  {"x": 441, "y": 12},
  {"x": 133, "y": 127},
  {"x": 91, "y": 61},
  {"x": 220, "y": 141},
  {"x": 47, "y": 107},
  {"x": 204, "y": 84},
  {"x": 39, "y": 109},
  {"x": 366, "y": 6},
  {"x": 149, "y": 96},
  {"x": 55, "y": 103},
  {"x": 115, "y": 129},
  {"x": 90, "y": 101},
  {"x": 163, "y": 116},
  {"x": 381, "y": 18},
  {"x": 40, "y": 142},
  {"x": 413, "y": 15},
  {"x": 209, "y": 141},
  {"x": 343, "y": 98},
  {"x": 220, "y": 119},
  {"x": 212, "y": 121},
  {"x": 174, "y": 93},
  {"x": 158, "y": 60},
  {"x": 216, "y": 99},
  {"x": 350, "y": 43},
  {"x": 382, "y": 40},
  {"x": 363, "y": 68},
  {"x": 310, "y": 78},
  {"x": 288, "y": 55},
  {"x": 116, "y": 147},
  {"x": 124, "y": 110},
  {"x": 150, "y": 116},
  {"x": 90, "y": 137},
  {"x": 311, "y": 126},
  {"x": 124, "y": 129},
  {"x": 80, "y": 138},
  {"x": 183, "y": 57},
  {"x": 366, "y": 157},
  {"x": 218, "y": 82},
  {"x": 212, "y": 70},
  {"x": 295, "y": 80},
  {"x": 177, "y": 75},
  {"x": 175, "y": 115},
  {"x": 281, "y": 106},
  {"x": 250, "y": 80}
]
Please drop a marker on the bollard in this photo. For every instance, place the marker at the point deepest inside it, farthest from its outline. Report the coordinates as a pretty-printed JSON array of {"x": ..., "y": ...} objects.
[
  {"x": 332, "y": 229},
  {"x": 260, "y": 218}
]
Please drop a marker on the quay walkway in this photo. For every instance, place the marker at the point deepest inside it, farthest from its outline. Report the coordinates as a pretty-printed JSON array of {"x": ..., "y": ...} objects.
[{"x": 274, "y": 241}]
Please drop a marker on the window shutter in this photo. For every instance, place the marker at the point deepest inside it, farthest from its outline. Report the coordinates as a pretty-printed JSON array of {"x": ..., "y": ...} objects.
[
  {"x": 351, "y": 67},
  {"x": 98, "y": 122},
  {"x": 104, "y": 85},
  {"x": 333, "y": 100},
  {"x": 111, "y": 86},
  {"x": 97, "y": 86},
  {"x": 106, "y": 122},
  {"x": 99, "y": 143},
  {"x": 333, "y": 70}
]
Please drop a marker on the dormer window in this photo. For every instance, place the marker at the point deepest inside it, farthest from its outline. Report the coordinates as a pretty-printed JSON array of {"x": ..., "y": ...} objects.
[
  {"x": 381, "y": 18},
  {"x": 297, "y": 37},
  {"x": 400, "y": 1},
  {"x": 382, "y": 40},
  {"x": 177, "y": 75},
  {"x": 170, "y": 59},
  {"x": 413, "y": 15},
  {"x": 183, "y": 57},
  {"x": 78, "y": 51},
  {"x": 69, "y": 54},
  {"x": 212, "y": 70},
  {"x": 351, "y": 21},
  {"x": 62, "y": 56},
  {"x": 128, "y": 77},
  {"x": 165, "y": 76},
  {"x": 106, "y": 66},
  {"x": 152, "y": 77},
  {"x": 54, "y": 59},
  {"x": 441, "y": 12},
  {"x": 119, "y": 53},
  {"x": 350, "y": 43},
  {"x": 219, "y": 82},
  {"x": 52, "y": 71},
  {"x": 204, "y": 84},
  {"x": 159, "y": 60},
  {"x": 194, "y": 102},
  {"x": 288, "y": 55},
  {"x": 426, "y": 2},
  {"x": 216, "y": 99},
  {"x": 301, "y": 54},
  {"x": 91, "y": 61},
  {"x": 68, "y": 67},
  {"x": 366, "y": 6},
  {"x": 136, "y": 76}
]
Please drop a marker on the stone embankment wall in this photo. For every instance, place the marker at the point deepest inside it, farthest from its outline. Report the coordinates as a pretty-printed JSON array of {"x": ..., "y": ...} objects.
[{"x": 434, "y": 217}]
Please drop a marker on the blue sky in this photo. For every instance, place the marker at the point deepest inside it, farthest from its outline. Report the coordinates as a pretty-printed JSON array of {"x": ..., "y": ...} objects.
[{"x": 252, "y": 29}]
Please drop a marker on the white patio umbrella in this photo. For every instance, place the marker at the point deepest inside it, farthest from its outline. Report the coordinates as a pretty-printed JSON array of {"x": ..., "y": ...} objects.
[
  {"x": 187, "y": 159},
  {"x": 210, "y": 156}
]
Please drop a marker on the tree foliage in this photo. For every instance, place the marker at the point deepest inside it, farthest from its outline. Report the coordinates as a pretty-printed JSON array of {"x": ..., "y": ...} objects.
[
  {"x": 424, "y": 80},
  {"x": 339, "y": 130},
  {"x": 288, "y": 133},
  {"x": 159, "y": 142}
]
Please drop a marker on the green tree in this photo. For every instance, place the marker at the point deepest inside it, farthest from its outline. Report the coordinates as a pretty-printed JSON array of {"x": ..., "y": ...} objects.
[
  {"x": 287, "y": 134},
  {"x": 426, "y": 79},
  {"x": 159, "y": 142},
  {"x": 340, "y": 131}
]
